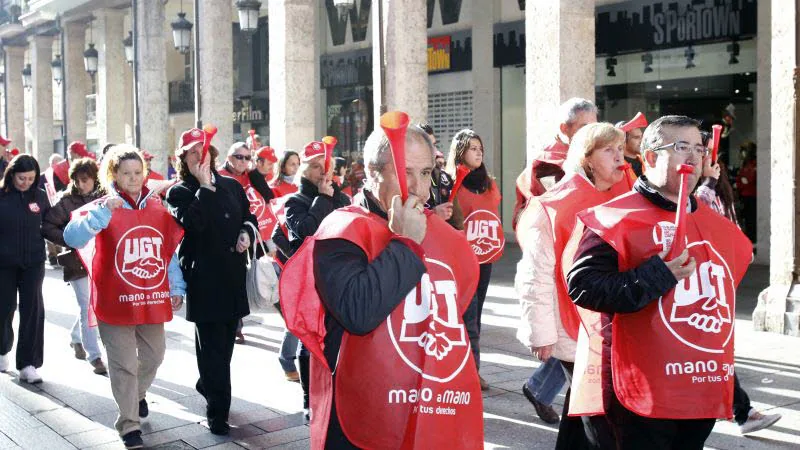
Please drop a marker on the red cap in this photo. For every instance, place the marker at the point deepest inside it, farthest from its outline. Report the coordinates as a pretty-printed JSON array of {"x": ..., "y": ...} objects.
[
  {"x": 79, "y": 148},
  {"x": 267, "y": 153},
  {"x": 189, "y": 139},
  {"x": 147, "y": 155},
  {"x": 312, "y": 150},
  {"x": 4, "y": 142}
]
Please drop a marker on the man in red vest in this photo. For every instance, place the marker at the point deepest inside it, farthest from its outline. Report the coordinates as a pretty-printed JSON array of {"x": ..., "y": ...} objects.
[
  {"x": 671, "y": 343},
  {"x": 383, "y": 305},
  {"x": 237, "y": 163}
]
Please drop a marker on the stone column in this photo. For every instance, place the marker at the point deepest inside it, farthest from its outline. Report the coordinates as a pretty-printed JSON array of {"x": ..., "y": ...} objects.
[
  {"x": 151, "y": 81},
  {"x": 293, "y": 56},
  {"x": 108, "y": 35},
  {"x": 779, "y": 305},
  {"x": 76, "y": 80},
  {"x": 560, "y": 63},
  {"x": 216, "y": 69},
  {"x": 486, "y": 83},
  {"x": 41, "y": 125},
  {"x": 405, "y": 40},
  {"x": 15, "y": 96}
]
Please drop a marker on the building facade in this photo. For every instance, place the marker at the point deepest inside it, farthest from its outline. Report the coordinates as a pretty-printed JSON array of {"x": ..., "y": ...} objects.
[{"x": 311, "y": 68}]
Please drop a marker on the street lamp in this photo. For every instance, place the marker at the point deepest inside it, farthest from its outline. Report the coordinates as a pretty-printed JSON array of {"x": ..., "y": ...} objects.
[
  {"x": 26, "y": 77},
  {"x": 58, "y": 70},
  {"x": 344, "y": 7},
  {"x": 181, "y": 33},
  {"x": 90, "y": 60},
  {"x": 248, "y": 15},
  {"x": 128, "y": 43}
]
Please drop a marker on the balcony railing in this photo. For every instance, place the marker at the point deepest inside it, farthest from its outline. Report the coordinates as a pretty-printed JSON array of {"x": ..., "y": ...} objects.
[
  {"x": 91, "y": 108},
  {"x": 181, "y": 96}
]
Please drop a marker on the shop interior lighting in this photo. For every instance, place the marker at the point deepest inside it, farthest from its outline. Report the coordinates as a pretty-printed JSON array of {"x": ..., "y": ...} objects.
[
  {"x": 689, "y": 54},
  {"x": 647, "y": 59},
  {"x": 610, "y": 63},
  {"x": 659, "y": 87},
  {"x": 733, "y": 49}
]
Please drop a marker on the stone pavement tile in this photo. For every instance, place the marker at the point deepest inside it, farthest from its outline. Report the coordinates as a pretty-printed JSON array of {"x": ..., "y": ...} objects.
[
  {"x": 509, "y": 360},
  {"x": 105, "y": 419},
  {"x": 513, "y": 407},
  {"x": 276, "y": 438},
  {"x": 109, "y": 446},
  {"x": 40, "y": 438},
  {"x": 256, "y": 415},
  {"x": 174, "y": 434},
  {"x": 501, "y": 433},
  {"x": 14, "y": 419},
  {"x": 66, "y": 421},
  {"x": 175, "y": 445},
  {"x": 228, "y": 446},
  {"x": 520, "y": 375},
  {"x": 195, "y": 404},
  {"x": 207, "y": 439},
  {"x": 94, "y": 437},
  {"x": 487, "y": 369},
  {"x": 88, "y": 404},
  {"x": 305, "y": 444},
  {"x": 158, "y": 421},
  {"x": 280, "y": 423},
  {"x": 5, "y": 442},
  {"x": 513, "y": 347},
  {"x": 35, "y": 402},
  {"x": 783, "y": 435}
]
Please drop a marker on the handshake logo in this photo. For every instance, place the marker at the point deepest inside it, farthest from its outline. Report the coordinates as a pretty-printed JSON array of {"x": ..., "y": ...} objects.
[
  {"x": 139, "y": 260},
  {"x": 483, "y": 234}
]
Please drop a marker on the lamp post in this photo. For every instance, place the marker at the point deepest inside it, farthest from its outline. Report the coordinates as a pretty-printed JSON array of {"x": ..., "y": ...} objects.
[
  {"x": 181, "y": 33},
  {"x": 58, "y": 70},
  {"x": 248, "y": 16},
  {"x": 90, "y": 60},
  {"x": 128, "y": 43},
  {"x": 26, "y": 77}
]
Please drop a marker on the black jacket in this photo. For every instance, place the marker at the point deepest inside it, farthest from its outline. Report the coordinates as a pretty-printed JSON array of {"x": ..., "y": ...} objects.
[
  {"x": 21, "y": 216},
  {"x": 305, "y": 210},
  {"x": 359, "y": 295},
  {"x": 260, "y": 184},
  {"x": 214, "y": 271},
  {"x": 53, "y": 230}
]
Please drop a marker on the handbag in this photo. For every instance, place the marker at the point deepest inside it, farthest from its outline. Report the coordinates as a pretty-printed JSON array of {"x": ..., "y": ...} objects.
[{"x": 262, "y": 282}]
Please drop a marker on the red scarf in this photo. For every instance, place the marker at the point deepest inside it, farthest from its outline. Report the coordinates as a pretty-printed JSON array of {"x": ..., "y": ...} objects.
[{"x": 134, "y": 203}]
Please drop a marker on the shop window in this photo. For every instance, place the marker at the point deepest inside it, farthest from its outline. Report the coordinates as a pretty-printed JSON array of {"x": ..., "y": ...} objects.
[{"x": 448, "y": 113}]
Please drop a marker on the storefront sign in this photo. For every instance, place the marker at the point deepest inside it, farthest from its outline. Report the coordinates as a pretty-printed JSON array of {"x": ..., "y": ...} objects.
[
  {"x": 249, "y": 111},
  {"x": 346, "y": 69},
  {"x": 634, "y": 26},
  {"x": 358, "y": 16},
  {"x": 509, "y": 43},
  {"x": 450, "y": 53}
]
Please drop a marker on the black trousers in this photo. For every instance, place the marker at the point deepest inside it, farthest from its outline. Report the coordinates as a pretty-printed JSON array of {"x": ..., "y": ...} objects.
[
  {"x": 741, "y": 402},
  {"x": 582, "y": 433},
  {"x": 27, "y": 283},
  {"x": 636, "y": 432},
  {"x": 472, "y": 316},
  {"x": 213, "y": 343}
]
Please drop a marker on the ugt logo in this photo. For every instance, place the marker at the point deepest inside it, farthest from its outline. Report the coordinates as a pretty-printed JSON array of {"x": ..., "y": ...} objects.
[
  {"x": 139, "y": 260},
  {"x": 483, "y": 234},
  {"x": 699, "y": 311},
  {"x": 256, "y": 203},
  {"x": 430, "y": 336}
]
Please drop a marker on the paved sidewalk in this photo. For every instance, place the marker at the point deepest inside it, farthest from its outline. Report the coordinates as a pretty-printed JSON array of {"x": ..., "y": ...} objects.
[{"x": 74, "y": 408}]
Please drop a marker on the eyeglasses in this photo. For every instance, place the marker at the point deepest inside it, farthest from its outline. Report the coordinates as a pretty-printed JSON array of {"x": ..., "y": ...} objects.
[
  {"x": 242, "y": 157},
  {"x": 684, "y": 148}
]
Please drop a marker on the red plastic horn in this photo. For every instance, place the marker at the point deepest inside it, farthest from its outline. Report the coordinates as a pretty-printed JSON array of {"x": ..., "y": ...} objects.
[
  {"x": 716, "y": 131},
  {"x": 680, "y": 214},
  {"x": 330, "y": 143},
  {"x": 461, "y": 172},
  {"x": 395, "y": 125},
  {"x": 209, "y": 131},
  {"x": 638, "y": 121},
  {"x": 624, "y": 168},
  {"x": 252, "y": 140}
]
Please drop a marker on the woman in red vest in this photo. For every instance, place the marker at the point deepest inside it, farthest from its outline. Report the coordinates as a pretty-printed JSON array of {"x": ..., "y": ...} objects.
[
  {"x": 478, "y": 200},
  {"x": 287, "y": 169},
  {"x": 127, "y": 242},
  {"x": 549, "y": 319}
]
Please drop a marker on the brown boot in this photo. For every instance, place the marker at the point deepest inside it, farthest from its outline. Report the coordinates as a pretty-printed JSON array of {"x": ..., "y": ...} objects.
[{"x": 99, "y": 367}]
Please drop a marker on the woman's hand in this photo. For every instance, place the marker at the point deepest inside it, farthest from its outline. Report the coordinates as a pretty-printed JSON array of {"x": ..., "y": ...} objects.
[
  {"x": 177, "y": 302},
  {"x": 202, "y": 171},
  {"x": 244, "y": 242},
  {"x": 709, "y": 170},
  {"x": 113, "y": 203},
  {"x": 543, "y": 353}
]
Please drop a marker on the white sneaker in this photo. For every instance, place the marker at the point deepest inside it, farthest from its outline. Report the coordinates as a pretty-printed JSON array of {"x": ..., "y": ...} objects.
[
  {"x": 3, "y": 363},
  {"x": 30, "y": 375},
  {"x": 757, "y": 421}
]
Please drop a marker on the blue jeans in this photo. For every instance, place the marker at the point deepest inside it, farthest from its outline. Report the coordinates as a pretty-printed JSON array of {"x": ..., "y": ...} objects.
[
  {"x": 289, "y": 349},
  {"x": 81, "y": 332},
  {"x": 547, "y": 381}
]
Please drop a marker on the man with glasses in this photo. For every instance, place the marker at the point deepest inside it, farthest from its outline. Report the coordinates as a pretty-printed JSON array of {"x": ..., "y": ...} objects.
[
  {"x": 669, "y": 373},
  {"x": 237, "y": 163}
]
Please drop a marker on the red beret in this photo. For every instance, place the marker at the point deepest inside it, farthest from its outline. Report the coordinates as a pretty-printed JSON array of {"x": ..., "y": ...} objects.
[
  {"x": 312, "y": 150},
  {"x": 267, "y": 153},
  {"x": 79, "y": 148},
  {"x": 189, "y": 139},
  {"x": 4, "y": 142},
  {"x": 147, "y": 155}
]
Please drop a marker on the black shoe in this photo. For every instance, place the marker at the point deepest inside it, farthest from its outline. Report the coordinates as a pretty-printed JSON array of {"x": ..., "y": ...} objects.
[
  {"x": 133, "y": 439},
  {"x": 545, "y": 412},
  {"x": 219, "y": 427},
  {"x": 143, "y": 409}
]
